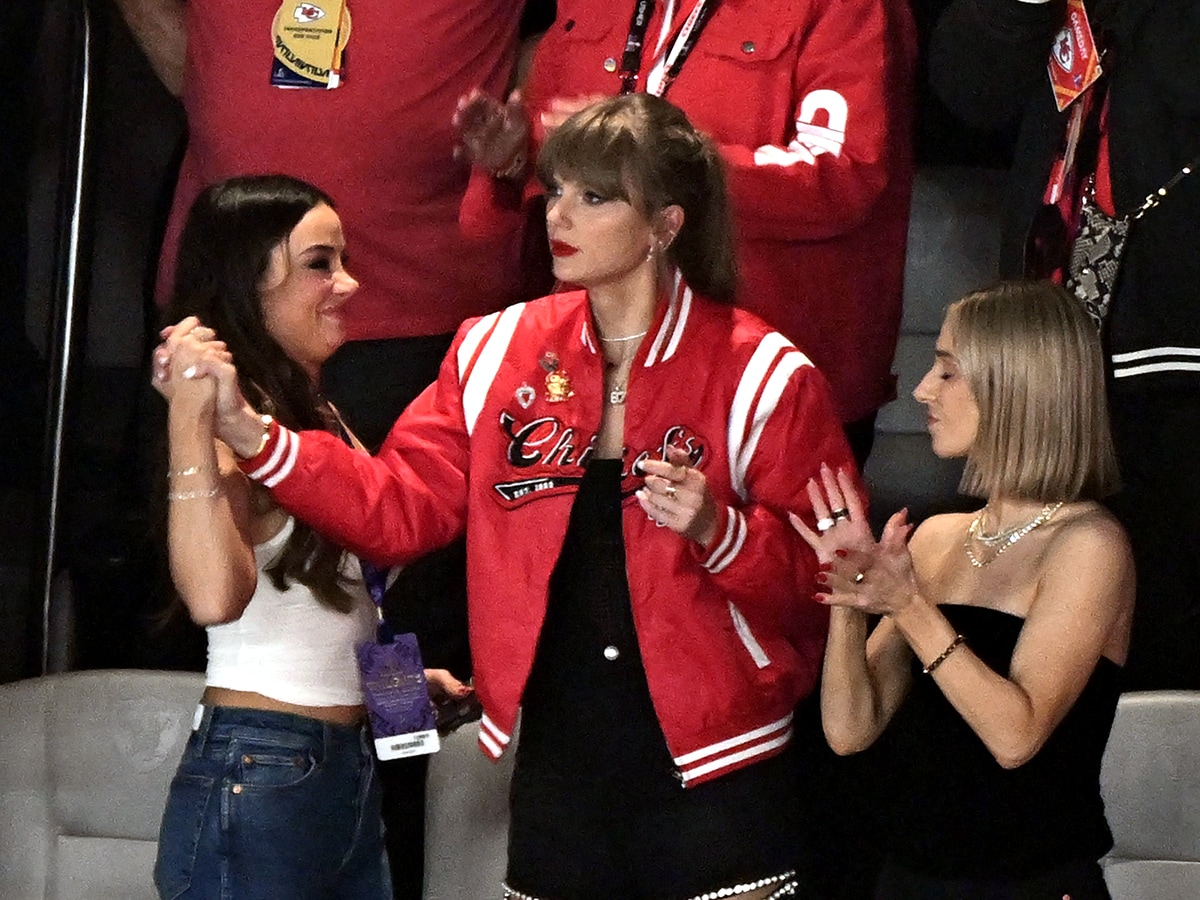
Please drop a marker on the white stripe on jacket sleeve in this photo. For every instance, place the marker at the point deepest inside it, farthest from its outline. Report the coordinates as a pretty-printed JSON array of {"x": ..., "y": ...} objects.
[{"x": 491, "y": 354}]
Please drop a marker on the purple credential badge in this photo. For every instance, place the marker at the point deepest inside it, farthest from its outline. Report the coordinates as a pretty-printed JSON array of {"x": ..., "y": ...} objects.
[{"x": 403, "y": 720}]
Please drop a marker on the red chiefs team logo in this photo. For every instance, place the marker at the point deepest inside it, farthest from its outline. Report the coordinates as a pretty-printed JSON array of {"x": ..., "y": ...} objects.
[
  {"x": 1064, "y": 50},
  {"x": 307, "y": 12}
]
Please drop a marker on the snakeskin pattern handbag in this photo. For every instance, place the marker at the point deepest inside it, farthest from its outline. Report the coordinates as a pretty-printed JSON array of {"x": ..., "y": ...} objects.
[{"x": 1095, "y": 262}]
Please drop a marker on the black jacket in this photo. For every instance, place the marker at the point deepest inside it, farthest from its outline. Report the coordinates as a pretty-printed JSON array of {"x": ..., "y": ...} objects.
[{"x": 988, "y": 63}]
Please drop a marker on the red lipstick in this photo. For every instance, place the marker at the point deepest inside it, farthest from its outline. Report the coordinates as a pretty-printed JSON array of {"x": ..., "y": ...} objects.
[{"x": 561, "y": 248}]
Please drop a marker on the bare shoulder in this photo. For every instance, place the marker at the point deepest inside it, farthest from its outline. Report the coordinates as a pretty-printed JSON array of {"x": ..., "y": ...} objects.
[
  {"x": 1088, "y": 554},
  {"x": 937, "y": 532},
  {"x": 1090, "y": 531}
]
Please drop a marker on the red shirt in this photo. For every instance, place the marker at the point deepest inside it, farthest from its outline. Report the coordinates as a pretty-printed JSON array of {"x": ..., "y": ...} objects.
[{"x": 381, "y": 146}]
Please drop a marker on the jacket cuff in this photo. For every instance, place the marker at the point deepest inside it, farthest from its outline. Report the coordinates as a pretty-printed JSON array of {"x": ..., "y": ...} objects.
[
  {"x": 274, "y": 462},
  {"x": 727, "y": 542}
]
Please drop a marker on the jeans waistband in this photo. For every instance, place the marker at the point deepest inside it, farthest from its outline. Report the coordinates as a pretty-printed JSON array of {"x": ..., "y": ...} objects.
[{"x": 210, "y": 718}]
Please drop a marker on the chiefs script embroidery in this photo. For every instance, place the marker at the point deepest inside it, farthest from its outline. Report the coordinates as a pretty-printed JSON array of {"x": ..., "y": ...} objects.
[{"x": 557, "y": 455}]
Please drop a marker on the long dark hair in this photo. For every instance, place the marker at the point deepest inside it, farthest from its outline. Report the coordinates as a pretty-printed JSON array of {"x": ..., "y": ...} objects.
[
  {"x": 641, "y": 149},
  {"x": 224, "y": 253}
]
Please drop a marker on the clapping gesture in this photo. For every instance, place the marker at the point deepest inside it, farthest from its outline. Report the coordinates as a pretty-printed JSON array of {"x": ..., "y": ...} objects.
[
  {"x": 856, "y": 572},
  {"x": 493, "y": 135}
]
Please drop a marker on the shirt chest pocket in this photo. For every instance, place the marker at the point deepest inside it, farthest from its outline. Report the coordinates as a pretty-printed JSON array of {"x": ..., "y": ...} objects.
[
  {"x": 738, "y": 81},
  {"x": 581, "y": 53}
]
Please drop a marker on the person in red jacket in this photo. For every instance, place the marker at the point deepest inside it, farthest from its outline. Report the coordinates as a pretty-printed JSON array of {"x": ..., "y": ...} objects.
[
  {"x": 613, "y": 455},
  {"x": 810, "y": 103}
]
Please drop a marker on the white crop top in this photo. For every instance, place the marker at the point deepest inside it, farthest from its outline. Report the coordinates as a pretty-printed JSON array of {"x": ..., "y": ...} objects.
[{"x": 288, "y": 645}]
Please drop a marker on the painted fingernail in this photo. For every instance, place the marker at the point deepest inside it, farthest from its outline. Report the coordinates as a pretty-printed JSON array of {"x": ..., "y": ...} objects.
[
  {"x": 825, "y": 567},
  {"x": 841, "y": 553},
  {"x": 821, "y": 598},
  {"x": 822, "y": 578}
]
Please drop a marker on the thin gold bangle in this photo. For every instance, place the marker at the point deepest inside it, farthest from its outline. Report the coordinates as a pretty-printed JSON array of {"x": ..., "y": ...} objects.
[
  {"x": 928, "y": 670},
  {"x": 191, "y": 470},
  {"x": 266, "y": 436},
  {"x": 192, "y": 495}
]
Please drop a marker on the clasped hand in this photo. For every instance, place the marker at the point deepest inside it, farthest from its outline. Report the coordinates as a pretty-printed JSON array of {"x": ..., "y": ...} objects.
[
  {"x": 192, "y": 361},
  {"x": 856, "y": 572}
]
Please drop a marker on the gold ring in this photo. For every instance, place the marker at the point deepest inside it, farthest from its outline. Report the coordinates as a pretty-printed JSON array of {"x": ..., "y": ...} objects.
[
  {"x": 840, "y": 513},
  {"x": 859, "y": 577},
  {"x": 670, "y": 491}
]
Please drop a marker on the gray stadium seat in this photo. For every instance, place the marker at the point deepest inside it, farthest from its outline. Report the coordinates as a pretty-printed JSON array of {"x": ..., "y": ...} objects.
[
  {"x": 953, "y": 248},
  {"x": 85, "y": 762},
  {"x": 466, "y": 819},
  {"x": 1151, "y": 787}
]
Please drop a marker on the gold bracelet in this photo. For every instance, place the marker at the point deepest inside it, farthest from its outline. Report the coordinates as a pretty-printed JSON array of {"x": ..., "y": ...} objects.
[
  {"x": 515, "y": 168},
  {"x": 266, "y": 436},
  {"x": 192, "y": 495},
  {"x": 928, "y": 670},
  {"x": 191, "y": 470}
]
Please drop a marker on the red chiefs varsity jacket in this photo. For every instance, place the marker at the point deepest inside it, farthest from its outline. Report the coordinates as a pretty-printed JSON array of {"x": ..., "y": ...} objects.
[{"x": 729, "y": 635}]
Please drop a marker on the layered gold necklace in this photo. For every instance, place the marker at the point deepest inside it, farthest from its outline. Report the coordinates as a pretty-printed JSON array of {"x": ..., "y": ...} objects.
[{"x": 1002, "y": 540}]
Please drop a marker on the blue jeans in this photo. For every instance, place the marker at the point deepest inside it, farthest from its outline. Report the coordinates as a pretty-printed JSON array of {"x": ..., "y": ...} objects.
[{"x": 267, "y": 805}]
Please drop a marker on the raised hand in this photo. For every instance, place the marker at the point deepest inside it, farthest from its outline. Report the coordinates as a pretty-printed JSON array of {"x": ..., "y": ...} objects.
[
  {"x": 190, "y": 357},
  {"x": 492, "y": 135},
  {"x": 677, "y": 496},
  {"x": 187, "y": 348},
  {"x": 841, "y": 517}
]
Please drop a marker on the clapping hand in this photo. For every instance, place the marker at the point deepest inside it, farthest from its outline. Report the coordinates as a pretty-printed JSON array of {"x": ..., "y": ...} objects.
[
  {"x": 856, "y": 572},
  {"x": 493, "y": 135},
  {"x": 841, "y": 516}
]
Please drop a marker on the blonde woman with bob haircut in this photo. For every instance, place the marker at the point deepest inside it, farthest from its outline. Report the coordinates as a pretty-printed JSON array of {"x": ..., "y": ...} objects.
[{"x": 991, "y": 680}]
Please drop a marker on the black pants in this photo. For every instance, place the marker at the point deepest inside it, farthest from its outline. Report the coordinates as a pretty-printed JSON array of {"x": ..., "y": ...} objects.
[
  {"x": 371, "y": 382},
  {"x": 1157, "y": 436}
]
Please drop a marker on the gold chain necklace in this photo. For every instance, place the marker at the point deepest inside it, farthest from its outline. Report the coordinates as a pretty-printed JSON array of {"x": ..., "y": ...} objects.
[{"x": 1004, "y": 539}]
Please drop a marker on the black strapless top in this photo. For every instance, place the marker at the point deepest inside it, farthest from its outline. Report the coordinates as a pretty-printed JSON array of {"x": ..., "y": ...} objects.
[{"x": 956, "y": 813}]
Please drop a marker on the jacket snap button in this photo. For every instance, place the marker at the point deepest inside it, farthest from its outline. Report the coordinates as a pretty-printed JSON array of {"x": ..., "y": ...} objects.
[
  {"x": 611, "y": 652},
  {"x": 747, "y": 46},
  {"x": 610, "y": 65},
  {"x": 237, "y": 788}
]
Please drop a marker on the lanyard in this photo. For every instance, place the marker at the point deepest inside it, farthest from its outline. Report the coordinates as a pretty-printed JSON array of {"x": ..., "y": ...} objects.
[
  {"x": 680, "y": 46},
  {"x": 374, "y": 578}
]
